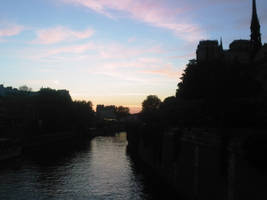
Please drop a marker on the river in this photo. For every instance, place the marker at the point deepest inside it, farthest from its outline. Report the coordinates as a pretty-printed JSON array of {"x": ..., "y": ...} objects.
[{"x": 100, "y": 169}]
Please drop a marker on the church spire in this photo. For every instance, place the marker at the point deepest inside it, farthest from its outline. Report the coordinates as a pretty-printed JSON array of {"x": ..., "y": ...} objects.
[
  {"x": 221, "y": 44},
  {"x": 255, "y": 36}
]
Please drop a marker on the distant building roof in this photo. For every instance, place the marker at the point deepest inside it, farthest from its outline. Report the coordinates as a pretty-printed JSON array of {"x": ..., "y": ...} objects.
[
  {"x": 262, "y": 54},
  {"x": 209, "y": 42},
  {"x": 241, "y": 45}
]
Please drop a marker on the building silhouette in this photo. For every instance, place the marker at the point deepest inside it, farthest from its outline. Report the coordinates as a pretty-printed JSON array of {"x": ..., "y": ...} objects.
[
  {"x": 241, "y": 51},
  {"x": 106, "y": 112}
]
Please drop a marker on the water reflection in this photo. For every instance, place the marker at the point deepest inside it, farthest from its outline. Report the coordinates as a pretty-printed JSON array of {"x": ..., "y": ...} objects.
[{"x": 100, "y": 169}]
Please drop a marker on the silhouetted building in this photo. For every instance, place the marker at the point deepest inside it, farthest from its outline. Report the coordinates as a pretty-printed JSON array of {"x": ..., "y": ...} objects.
[
  {"x": 242, "y": 51},
  {"x": 2, "y": 90},
  {"x": 10, "y": 91},
  {"x": 209, "y": 50},
  {"x": 106, "y": 112},
  {"x": 1, "y": 115},
  {"x": 255, "y": 36}
]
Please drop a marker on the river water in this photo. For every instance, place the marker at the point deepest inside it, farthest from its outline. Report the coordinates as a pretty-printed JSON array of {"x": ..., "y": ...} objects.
[{"x": 97, "y": 170}]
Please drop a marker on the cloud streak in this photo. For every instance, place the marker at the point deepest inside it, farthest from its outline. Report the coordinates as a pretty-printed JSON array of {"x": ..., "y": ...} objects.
[
  {"x": 8, "y": 30},
  {"x": 118, "y": 60},
  {"x": 97, "y": 51},
  {"x": 61, "y": 34},
  {"x": 150, "y": 12},
  {"x": 167, "y": 70}
]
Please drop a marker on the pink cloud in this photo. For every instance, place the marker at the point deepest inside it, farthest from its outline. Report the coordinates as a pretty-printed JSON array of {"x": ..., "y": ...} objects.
[
  {"x": 134, "y": 108},
  {"x": 153, "y": 13},
  {"x": 10, "y": 30},
  {"x": 73, "y": 49},
  {"x": 132, "y": 39},
  {"x": 60, "y": 34},
  {"x": 167, "y": 70},
  {"x": 101, "y": 51},
  {"x": 129, "y": 63},
  {"x": 147, "y": 60},
  {"x": 186, "y": 56},
  {"x": 59, "y": 54},
  {"x": 133, "y": 70}
]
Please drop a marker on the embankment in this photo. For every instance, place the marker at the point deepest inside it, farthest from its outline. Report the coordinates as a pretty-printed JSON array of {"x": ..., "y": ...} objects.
[{"x": 202, "y": 164}]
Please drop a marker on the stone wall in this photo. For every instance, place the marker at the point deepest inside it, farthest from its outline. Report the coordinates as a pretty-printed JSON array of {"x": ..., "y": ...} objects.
[{"x": 198, "y": 164}]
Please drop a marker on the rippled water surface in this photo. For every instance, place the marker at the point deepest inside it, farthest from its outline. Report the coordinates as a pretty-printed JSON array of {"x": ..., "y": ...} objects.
[{"x": 100, "y": 169}]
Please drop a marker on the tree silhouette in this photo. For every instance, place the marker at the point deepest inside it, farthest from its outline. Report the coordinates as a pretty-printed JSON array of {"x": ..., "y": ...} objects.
[
  {"x": 25, "y": 88},
  {"x": 151, "y": 103},
  {"x": 218, "y": 79},
  {"x": 220, "y": 93},
  {"x": 47, "y": 111},
  {"x": 83, "y": 114},
  {"x": 168, "y": 111},
  {"x": 122, "y": 112},
  {"x": 150, "y": 109}
]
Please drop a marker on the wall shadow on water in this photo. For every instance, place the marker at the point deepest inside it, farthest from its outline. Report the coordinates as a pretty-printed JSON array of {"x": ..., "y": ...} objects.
[
  {"x": 42, "y": 174},
  {"x": 51, "y": 156},
  {"x": 153, "y": 187},
  {"x": 55, "y": 165},
  {"x": 100, "y": 169},
  {"x": 57, "y": 156}
]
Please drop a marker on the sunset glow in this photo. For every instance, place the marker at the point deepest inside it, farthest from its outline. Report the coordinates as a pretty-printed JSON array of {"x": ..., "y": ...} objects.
[{"x": 113, "y": 52}]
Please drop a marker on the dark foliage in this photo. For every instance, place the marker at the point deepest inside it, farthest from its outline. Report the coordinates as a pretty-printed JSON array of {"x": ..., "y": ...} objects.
[
  {"x": 212, "y": 94},
  {"x": 218, "y": 80},
  {"x": 47, "y": 111},
  {"x": 122, "y": 112},
  {"x": 150, "y": 109},
  {"x": 222, "y": 95}
]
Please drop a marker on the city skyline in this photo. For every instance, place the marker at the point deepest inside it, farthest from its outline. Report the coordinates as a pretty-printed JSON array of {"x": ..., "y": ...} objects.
[{"x": 113, "y": 52}]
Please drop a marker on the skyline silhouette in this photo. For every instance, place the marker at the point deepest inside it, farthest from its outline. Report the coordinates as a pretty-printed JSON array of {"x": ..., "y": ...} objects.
[
  {"x": 101, "y": 89},
  {"x": 113, "y": 53}
]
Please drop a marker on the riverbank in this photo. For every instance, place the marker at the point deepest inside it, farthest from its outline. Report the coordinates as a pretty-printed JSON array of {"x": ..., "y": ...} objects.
[
  {"x": 56, "y": 141},
  {"x": 9, "y": 149},
  {"x": 97, "y": 169},
  {"x": 203, "y": 164}
]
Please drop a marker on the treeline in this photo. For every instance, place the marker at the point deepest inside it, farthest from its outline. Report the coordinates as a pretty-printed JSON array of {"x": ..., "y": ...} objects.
[
  {"x": 48, "y": 111},
  {"x": 212, "y": 94},
  {"x": 112, "y": 112},
  {"x": 111, "y": 119}
]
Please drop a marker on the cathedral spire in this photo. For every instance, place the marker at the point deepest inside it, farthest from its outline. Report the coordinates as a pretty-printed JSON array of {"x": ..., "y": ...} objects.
[
  {"x": 221, "y": 44},
  {"x": 255, "y": 36}
]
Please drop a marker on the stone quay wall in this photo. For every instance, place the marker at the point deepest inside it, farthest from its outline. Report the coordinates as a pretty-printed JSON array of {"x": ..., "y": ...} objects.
[{"x": 201, "y": 164}]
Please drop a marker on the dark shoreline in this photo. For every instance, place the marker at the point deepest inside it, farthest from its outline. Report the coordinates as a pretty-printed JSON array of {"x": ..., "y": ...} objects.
[{"x": 205, "y": 165}]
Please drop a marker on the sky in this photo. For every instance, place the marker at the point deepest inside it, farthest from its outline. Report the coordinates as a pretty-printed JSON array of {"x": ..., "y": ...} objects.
[{"x": 113, "y": 52}]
